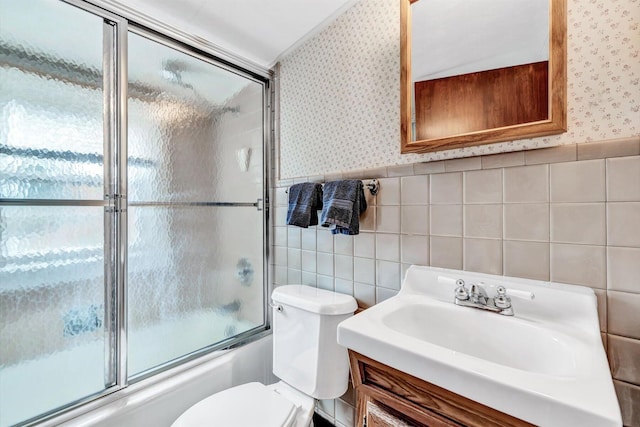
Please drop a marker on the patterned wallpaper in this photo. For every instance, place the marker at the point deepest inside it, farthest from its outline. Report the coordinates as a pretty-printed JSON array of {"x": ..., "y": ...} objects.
[{"x": 340, "y": 91}]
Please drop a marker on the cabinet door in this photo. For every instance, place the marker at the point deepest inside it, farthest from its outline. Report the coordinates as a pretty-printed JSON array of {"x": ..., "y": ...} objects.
[
  {"x": 378, "y": 415},
  {"x": 416, "y": 402}
]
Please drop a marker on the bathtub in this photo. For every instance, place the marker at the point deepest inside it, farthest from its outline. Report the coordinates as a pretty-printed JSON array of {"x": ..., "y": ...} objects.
[
  {"x": 159, "y": 400},
  {"x": 156, "y": 401}
]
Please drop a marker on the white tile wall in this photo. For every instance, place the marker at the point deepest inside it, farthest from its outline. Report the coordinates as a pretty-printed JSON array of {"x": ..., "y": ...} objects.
[
  {"x": 388, "y": 219},
  {"x": 526, "y": 221},
  {"x": 364, "y": 245},
  {"x": 446, "y": 252},
  {"x": 622, "y": 224},
  {"x": 483, "y": 255},
  {"x": 343, "y": 245},
  {"x": 483, "y": 186},
  {"x": 446, "y": 220},
  {"x": 523, "y": 221},
  {"x": 294, "y": 238},
  {"x": 582, "y": 223},
  {"x": 414, "y": 219},
  {"x": 483, "y": 221},
  {"x": 309, "y": 239},
  {"x": 623, "y": 173},
  {"x": 578, "y": 181},
  {"x": 364, "y": 270},
  {"x": 446, "y": 188},
  {"x": 388, "y": 247},
  {"x": 324, "y": 240},
  {"x": 388, "y": 274},
  {"x": 623, "y": 269},
  {"x": 414, "y": 190},
  {"x": 526, "y": 184},
  {"x": 325, "y": 264},
  {"x": 414, "y": 249},
  {"x": 579, "y": 265},
  {"x": 344, "y": 267}
]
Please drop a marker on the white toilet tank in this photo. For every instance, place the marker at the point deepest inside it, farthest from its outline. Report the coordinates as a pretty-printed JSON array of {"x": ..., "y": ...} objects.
[{"x": 306, "y": 353}]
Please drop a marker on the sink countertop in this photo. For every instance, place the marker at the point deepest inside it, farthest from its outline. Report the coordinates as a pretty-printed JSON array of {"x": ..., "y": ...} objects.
[{"x": 545, "y": 365}]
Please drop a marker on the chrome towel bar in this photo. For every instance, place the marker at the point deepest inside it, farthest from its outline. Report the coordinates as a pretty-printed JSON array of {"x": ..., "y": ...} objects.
[{"x": 373, "y": 186}]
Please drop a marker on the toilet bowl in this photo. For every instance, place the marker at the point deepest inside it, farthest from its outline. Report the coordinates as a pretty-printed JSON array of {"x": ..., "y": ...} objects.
[{"x": 306, "y": 357}]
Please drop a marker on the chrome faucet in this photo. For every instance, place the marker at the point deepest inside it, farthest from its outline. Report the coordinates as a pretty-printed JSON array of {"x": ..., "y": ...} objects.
[{"x": 476, "y": 296}]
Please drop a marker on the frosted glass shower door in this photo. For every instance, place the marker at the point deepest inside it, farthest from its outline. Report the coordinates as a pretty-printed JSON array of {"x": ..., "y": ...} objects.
[
  {"x": 195, "y": 223},
  {"x": 54, "y": 338}
]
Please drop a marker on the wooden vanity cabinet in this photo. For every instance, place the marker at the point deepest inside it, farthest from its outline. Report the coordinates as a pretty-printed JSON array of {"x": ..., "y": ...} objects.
[{"x": 386, "y": 397}]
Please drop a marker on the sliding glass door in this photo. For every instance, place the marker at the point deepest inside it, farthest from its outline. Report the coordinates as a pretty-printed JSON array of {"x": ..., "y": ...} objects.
[
  {"x": 194, "y": 204},
  {"x": 53, "y": 252},
  {"x": 132, "y": 227}
]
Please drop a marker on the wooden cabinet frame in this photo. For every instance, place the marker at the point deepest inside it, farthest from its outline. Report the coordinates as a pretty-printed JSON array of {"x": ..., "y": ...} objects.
[
  {"x": 557, "y": 92},
  {"x": 413, "y": 401}
]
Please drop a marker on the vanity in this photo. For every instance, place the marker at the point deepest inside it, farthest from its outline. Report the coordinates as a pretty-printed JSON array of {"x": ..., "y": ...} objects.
[
  {"x": 391, "y": 398},
  {"x": 433, "y": 356}
]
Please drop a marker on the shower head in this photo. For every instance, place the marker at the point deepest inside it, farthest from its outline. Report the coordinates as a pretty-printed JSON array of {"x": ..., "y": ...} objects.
[{"x": 172, "y": 70}]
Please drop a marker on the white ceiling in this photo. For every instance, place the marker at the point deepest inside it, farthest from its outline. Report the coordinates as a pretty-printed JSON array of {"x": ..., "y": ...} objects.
[
  {"x": 260, "y": 31},
  {"x": 455, "y": 36},
  {"x": 449, "y": 36}
]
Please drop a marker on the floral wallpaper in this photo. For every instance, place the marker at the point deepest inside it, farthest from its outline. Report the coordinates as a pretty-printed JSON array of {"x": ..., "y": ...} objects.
[{"x": 340, "y": 91}]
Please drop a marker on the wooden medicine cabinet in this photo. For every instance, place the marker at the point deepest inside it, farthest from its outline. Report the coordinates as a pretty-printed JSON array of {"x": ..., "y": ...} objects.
[{"x": 478, "y": 76}]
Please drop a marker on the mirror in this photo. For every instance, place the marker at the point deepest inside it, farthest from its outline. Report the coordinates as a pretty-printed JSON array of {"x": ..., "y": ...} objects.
[{"x": 516, "y": 89}]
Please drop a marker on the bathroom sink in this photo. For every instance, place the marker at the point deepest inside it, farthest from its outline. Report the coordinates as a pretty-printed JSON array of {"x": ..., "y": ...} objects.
[
  {"x": 545, "y": 364},
  {"x": 514, "y": 343}
]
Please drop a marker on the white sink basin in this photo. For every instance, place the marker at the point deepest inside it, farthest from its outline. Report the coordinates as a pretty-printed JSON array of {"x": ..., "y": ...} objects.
[
  {"x": 545, "y": 365},
  {"x": 519, "y": 344}
]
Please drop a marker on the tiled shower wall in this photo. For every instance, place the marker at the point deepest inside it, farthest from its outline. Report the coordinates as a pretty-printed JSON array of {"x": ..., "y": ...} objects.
[{"x": 569, "y": 214}]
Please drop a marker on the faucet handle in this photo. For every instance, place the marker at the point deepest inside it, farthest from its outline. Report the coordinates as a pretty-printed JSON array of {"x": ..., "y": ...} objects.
[
  {"x": 502, "y": 300},
  {"x": 462, "y": 293},
  {"x": 515, "y": 293}
]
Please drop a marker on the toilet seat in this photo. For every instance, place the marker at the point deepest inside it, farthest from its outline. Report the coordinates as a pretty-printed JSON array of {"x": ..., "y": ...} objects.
[{"x": 247, "y": 405}]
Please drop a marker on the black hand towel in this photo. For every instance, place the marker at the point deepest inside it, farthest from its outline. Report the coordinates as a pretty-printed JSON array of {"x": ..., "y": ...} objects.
[
  {"x": 304, "y": 200},
  {"x": 343, "y": 203}
]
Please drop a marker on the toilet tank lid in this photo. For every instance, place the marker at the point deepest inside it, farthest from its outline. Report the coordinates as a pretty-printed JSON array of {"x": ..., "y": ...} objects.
[{"x": 314, "y": 300}]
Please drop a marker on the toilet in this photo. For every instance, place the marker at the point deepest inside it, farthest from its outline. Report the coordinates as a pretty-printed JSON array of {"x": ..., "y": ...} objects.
[{"x": 306, "y": 357}]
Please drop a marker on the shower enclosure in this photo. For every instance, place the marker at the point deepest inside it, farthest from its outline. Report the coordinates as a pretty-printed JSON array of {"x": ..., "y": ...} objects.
[{"x": 132, "y": 219}]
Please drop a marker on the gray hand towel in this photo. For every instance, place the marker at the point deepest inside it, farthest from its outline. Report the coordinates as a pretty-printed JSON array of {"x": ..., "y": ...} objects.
[
  {"x": 343, "y": 202},
  {"x": 304, "y": 200}
]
